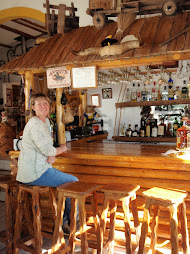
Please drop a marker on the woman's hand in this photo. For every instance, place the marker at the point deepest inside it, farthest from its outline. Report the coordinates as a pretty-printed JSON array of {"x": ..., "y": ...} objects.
[{"x": 51, "y": 159}]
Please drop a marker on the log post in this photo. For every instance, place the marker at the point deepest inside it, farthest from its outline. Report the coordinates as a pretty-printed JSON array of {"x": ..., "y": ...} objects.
[
  {"x": 29, "y": 83},
  {"x": 83, "y": 98},
  {"x": 59, "y": 116},
  {"x": 61, "y": 19}
]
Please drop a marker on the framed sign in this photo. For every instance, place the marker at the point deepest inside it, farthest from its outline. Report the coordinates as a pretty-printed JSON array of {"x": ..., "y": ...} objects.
[
  {"x": 84, "y": 77},
  {"x": 9, "y": 97},
  {"x": 107, "y": 93},
  {"x": 58, "y": 77},
  {"x": 95, "y": 100}
]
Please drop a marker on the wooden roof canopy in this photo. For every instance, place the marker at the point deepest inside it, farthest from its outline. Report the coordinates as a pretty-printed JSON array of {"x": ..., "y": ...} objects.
[{"x": 164, "y": 38}]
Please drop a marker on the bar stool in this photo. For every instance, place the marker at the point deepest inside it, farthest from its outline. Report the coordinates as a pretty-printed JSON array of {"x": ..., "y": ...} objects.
[
  {"x": 34, "y": 243},
  {"x": 172, "y": 199},
  {"x": 127, "y": 194},
  {"x": 78, "y": 192},
  {"x": 8, "y": 183}
]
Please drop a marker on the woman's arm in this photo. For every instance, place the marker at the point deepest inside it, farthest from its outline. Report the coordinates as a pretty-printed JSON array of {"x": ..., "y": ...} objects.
[{"x": 61, "y": 149}]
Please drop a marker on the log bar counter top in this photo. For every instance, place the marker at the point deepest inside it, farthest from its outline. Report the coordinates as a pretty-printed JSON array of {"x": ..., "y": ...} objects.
[{"x": 104, "y": 162}]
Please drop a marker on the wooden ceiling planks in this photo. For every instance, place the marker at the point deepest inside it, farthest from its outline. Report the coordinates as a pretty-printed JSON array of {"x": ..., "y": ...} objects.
[
  {"x": 153, "y": 31},
  {"x": 179, "y": 24},
  {"x": 187, "y": 35},
  {"x": 162, "y": 34},
  {"x": 147, "y": 35}
]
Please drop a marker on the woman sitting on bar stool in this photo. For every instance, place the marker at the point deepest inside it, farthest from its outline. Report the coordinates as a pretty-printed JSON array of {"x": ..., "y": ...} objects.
[{"x": 38, "y": 153}]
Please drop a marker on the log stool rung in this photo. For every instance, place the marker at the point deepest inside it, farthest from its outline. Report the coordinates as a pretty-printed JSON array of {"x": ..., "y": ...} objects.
[{"x": 173, "y": 200}]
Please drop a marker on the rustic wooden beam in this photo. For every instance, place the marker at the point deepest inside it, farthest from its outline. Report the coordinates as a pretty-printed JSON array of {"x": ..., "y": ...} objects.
[
  {"x": 29, "y": 83},
  {"x": 61, "y": 19},
  {"x": 59, "y": 116},
  {"x": 29, "y": 26},
  {"x": 56, "y": 7},
  {"x": 13, "y": 30},
  {"x": 48, "y": 21}
]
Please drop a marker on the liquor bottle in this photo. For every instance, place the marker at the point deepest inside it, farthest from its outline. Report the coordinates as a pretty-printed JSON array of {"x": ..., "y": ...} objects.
[
  {"x": 184, "y": 90},
  {"x": 122, "y": 130},
  {"x": 138, "y": 92},
  {"x": 177, "y": 93},
  {"x": 183, "y": 135},
  {"x": 154, "y": 92},
  {"x": 170, "y": 89},
  {"x": 149, "y": 94},
  {"x": 148, "y": 128},
  {"x": 133, "y": 94},
  {"x": 135, "y": 133},
  {"x": 129, "y": 131},
  {"x": 128, "y": 95},
  {"x": 144, "y": 93},
  {"x": 159, "y": 95},
  {"x": 165, "y": 94},
  {"x": 154, "y": 132},
  {"x": 143, "y": 127},
  {"x": 161, "y": 128},
  {"x": 175, "y": 127}
]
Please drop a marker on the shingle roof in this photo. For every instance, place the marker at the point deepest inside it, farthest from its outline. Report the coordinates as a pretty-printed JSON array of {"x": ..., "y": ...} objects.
[{"x": 152, "y": 31}]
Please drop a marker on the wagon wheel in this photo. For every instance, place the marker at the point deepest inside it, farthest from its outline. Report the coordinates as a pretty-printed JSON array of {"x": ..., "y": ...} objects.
[
  {"x": 99, "y": 20},
  {"x": 169, "y": 8}
]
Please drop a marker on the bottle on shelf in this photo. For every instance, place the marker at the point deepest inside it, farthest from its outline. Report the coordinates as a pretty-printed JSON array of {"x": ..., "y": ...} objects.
[
  {"x": 143, "y": 127},
  {"x": 149, "y": 94},
  {"x": 144, "y": 93},
  {"x": 183, "y": 136},
  {"x": 129, "y": 131},
  {"x": 133, "y": 94},
  {"x": 154, "y": 92},
  {"x": 122, "y": 130},
  {"x": 177, "y": 93},
  {"x": 184, "y": 90},
  {"x": 159, "y": 94},
  {"x": 165, "y": 94},
  {"x": 128, "y": 95},
  {"x": 169, "y": 130},
  {"x": 154, "y": 132},
  {"x": 170, "y": 89},
  {"x": 138, "y": 92},
  {"x": 148, "y": 128},
  {"x": 175, "y": 127},
  {"x": 161, "y": 128},
  {"x": 135, "y": 133}
]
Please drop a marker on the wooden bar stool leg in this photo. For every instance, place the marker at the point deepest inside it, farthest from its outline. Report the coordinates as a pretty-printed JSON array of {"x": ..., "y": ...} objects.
[
  {"x": 9, "y": 229},
  {"x": 58, "y": 232},
  {"x": 103, "y": 219},
  {"x": 96, "y": 222},
  {"x": 73, "y": 216},
  {"x": 125, "y": 206},
  {"x": 18, "y": 223},
  {"x": 112, "y": 225},
  {"x": 136, "y": 218},
  {"x": 37, "y": 221},
  {"x": 154, "y": 228},
  {"x": 184, "y": 230},
  {"x": 173, "y": 228},
  {"x": 145, "y": 225},
  {"x": 82, "y": 219},
  {"x": 27, "y": 213}
]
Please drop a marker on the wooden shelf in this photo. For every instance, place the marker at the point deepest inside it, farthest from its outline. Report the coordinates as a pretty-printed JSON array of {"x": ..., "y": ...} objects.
[
  {"x": 151, "y": 103},
  {"x": 144, "y": 139}
]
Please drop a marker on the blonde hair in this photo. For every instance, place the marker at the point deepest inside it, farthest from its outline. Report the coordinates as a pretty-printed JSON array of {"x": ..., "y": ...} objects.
[{"x": 33, "y": 100}]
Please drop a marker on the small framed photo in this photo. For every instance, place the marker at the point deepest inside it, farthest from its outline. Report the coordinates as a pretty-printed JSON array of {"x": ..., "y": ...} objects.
[
  {"x": 107, "y": 93},
  {"x": 9, "y": 97},
  {"x": 95, "y": 100}
]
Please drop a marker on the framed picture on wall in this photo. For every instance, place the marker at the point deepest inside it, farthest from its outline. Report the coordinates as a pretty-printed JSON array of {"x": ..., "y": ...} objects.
[
  {"x": 84, "y": 77},
  {"x": 95, "y": 100},
  {"x": 107, "y": 93}
]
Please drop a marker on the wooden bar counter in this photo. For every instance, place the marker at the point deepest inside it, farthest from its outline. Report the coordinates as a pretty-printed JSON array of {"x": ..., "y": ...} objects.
[{"x": 104, "y": 162}]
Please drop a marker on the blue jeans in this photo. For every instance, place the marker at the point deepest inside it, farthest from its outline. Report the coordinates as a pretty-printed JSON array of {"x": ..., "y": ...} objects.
[{"x": 52, "y": 178}]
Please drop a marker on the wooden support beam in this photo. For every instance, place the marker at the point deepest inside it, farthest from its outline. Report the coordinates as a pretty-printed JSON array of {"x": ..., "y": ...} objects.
[
  {"x": 61, "y": 19},
  {"x": 48, "y": 21},
  {"x": 59, "y": 116},
  {"x": 29, "y": 83}
]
